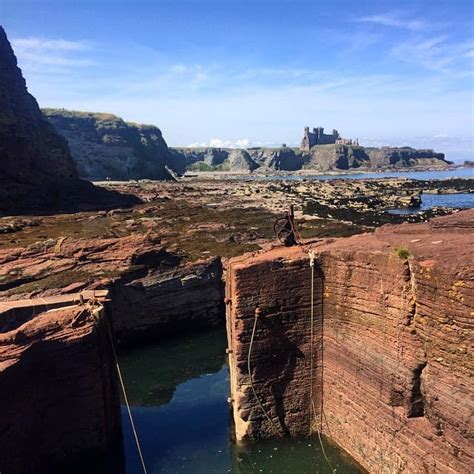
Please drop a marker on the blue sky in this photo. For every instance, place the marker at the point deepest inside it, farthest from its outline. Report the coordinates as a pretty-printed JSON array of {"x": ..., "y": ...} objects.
[{"x": 256, "y": 72}]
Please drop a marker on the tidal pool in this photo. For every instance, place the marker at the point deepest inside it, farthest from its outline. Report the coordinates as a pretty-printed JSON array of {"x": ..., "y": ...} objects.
[
  {"x": 429, "y": 200},
  {"x": 178, "y": 393}
]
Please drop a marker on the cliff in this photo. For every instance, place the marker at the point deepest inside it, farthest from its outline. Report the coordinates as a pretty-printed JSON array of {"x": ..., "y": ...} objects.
[
  {"x": 59, "y": 397},
  {"x": 32, "y": 155},
  {"x": 336, "y": 157},
  {"x": 278, "y": 159},
  {"x": 331, "y": 157},
  {"x": 211, "y": 159},
  {"x": 36, "y": 168},
  {"x": 389, "y": 374},
  {"x": 104, "y": 146},
  {"x": 404, "y": 157},
  {"x": 168, "y": 301}
]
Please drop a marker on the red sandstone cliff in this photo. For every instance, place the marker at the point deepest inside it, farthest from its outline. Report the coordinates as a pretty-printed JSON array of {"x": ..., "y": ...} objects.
[
  {"x": 153, "y": 292},
  {"x": 392, "y": 337},
  {"x": 59, "y": 398}
]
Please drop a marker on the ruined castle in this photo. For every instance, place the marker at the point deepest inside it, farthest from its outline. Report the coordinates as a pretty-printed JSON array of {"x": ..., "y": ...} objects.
[{"x": 318, "y": 137}]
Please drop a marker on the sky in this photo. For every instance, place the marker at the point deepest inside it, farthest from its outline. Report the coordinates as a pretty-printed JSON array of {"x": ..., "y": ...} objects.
[{"x": 249, "y": 73}]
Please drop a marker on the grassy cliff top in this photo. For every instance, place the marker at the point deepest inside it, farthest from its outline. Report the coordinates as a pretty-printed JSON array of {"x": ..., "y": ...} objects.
[{"x": 99, "y": 117}]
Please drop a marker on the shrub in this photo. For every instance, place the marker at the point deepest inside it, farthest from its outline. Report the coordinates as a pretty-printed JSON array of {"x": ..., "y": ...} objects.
[{"x": 402, "y": 252}]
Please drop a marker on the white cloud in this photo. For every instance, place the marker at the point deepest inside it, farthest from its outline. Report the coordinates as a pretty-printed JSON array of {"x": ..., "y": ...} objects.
[
  {"x": 218, "y": 143},
  {"x": 394, "y": 20},
  {"x": 50, "y": 55},
  {"x": 437, "y": 53},
  {"x": 243, "y": 143},
  {"x": 43, "y": 44}
]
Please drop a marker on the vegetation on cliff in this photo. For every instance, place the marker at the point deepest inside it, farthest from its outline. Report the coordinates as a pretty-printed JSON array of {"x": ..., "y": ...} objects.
[{"x": 104, "y": 146}]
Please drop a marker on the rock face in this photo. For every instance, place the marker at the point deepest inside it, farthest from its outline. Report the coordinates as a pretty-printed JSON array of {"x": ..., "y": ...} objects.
[
  {"x": 153, "y": 293},
  {"x": 36, "y": 169},
  {"x": 337, "y": 157},
  {"x": 392, "y": 335},
  {"x": 404, "y": 157},
  {"x": 211, "y": 159},
  {"x": 170, "y": 301},
  {"x": 279, "y": 159},
  {"x": 32, "y": 154},
  {"x": 104, "y": 146},
  {"x": 328, "y": 157},
  {"x": 60, "y": 404}
]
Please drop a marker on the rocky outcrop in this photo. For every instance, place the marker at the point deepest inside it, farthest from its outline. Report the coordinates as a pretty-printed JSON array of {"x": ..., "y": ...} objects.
[
  {"x": 392, "y": 332},
  {"x": 336, "y": 157},
  {"x": 320, "y": 158},
  {"x": 211, "y": 159},
  {"x": 36, "y": 169},
  {"x": 32, "y": 155},
  {"x": 240, "y": 160},
  {"x": 405, "y": 157},
  {"x": 59, "y": 398},
  {"x": 173, "y": 301},
  {"x": 279, "y": 159},
  {"x": 103, "y": 146},
  {"x": 153, "y": 292}
]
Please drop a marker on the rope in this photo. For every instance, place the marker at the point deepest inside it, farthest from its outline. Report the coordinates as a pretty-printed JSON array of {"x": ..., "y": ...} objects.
[
  {"x": 119, "y": 373},
  {"x": 312, "y": 409},
  {"x": 249, "y": 369},
  {"x": 311, "y": 369}
]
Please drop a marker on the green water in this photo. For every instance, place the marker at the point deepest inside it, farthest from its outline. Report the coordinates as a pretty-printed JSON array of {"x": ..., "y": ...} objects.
[{"x": 178, "y": 391}]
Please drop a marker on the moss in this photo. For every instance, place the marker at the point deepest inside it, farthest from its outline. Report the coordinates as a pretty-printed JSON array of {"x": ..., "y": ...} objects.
[
  {"x": 200, "y": 166},
  {"x": 59, "y": 280}
]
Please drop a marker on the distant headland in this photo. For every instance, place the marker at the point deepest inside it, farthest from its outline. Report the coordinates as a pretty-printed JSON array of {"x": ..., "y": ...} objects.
[{"x": 97, "y": 140}]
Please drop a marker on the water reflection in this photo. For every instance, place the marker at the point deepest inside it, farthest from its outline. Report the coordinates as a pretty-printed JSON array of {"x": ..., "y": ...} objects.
[{"x": 179, "y": 392}]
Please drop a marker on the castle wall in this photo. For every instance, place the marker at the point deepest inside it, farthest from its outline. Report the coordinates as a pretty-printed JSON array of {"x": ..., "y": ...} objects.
[{"x": 317, "y": 137}]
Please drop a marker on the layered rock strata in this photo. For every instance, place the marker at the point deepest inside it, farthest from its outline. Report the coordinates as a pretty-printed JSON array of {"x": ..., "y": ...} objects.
[
  {"x": 59, "y": 398},
  {"x": 392, "y": 342},
  {"x": 211, "y": 159},
  {"x": 177, "y": 300},
  {"x": 103, "y": 146},
  {"x": 154, "y": 292}
]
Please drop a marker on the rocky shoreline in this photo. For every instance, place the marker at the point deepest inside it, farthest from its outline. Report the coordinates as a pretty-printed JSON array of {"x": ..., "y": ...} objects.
[
  {"x": 180, "y": 223},
  {"x": 86, "y": 266}
]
